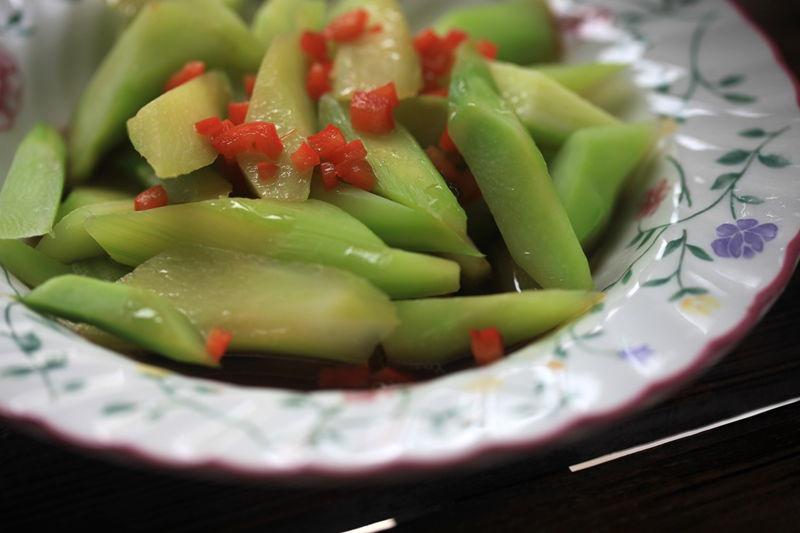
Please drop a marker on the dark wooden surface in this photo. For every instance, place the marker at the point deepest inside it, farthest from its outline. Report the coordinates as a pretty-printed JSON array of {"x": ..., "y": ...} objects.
[{"x": 740, "y": 477}]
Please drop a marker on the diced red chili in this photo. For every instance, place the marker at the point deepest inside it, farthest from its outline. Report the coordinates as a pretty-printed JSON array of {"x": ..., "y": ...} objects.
[
  {"x": 436, "y": 91},
  {"x": 237, "y": 112},
  {"x": 425, "y": 41},
  {"x": 217, "y": 343},
  {"x": 442, "y": 163},
  {"x": 252, "y": 137},
  {"x": 318, "y": 80},
  {"x": 446, "y": 143},
  {"x": 188, "y": 72},
  {"x": 357, "y": 173},
  {"x": 454, "y": 38},
  {"x": 305, "y": 158},
  {"x": 209, "y": 127},
  {"x": 315, "y": 46},
  {"x": 390, "y": 376},
  {"x": 373, "y": 111},
  {"x": 151, "y": 199},
  {"x": 347, "y": 27},
  {"x": 487, "y": 49},
  {"x": 249, "y": 84},
  {"x": 352, "y": 151},
  {"x": 266, "y": 170},
  {"x": 487, "y": 345},
  {"x": 375, "y": 28},
  {"x": 344, "y": 377},
  {"x": 327, "y": 141},
  {"x": 328, "y": 173}
]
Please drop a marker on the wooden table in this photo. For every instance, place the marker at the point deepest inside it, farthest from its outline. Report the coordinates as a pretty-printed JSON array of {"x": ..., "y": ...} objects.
[{"x": 741, "y": 476}]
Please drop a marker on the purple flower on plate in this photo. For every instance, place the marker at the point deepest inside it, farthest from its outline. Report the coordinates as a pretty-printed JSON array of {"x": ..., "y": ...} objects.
[
  {"x": 638, "y": 354},
  {"x": 744, "y": 239}
]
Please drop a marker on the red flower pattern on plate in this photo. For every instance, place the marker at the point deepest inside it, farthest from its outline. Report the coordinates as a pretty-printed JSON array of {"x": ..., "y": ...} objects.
[
  {"x": 653, "y": 198},
  {"x": 10, "y": 90}
]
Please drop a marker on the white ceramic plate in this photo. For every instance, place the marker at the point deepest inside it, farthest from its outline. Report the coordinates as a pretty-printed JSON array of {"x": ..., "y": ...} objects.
[{"x": 691, "y": 266}]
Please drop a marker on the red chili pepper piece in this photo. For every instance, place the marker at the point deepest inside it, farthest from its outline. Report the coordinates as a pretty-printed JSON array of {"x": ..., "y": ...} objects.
[
  {"x": 217, "y": 343},
  {"x": 315, "y": 46},
  {"x": 390, "y": 376},
  {"x": 487, "y": 49},
  {"x": 249, "y": 84},
  {"x": 266, "y": 170},
  {"x": 487, "y": 345},
  {"x": 327, "y": 141},
  {"x": 305, "y": 158},
  {"x": 347, "y": 27},
  {"x": 436, "y": 91},
  {"x": 442, "y": 163},
  {"x": 454, "y": 38},
  {"x": 209, "y": 127},
  {"x": 357, "y": 173},
  {"x": 375, "y": 28},
  {"x": 252, "y": 137},
  {"x": 151, "y": 198},
  {"x": 345, "y": 377},
  {"x": 237, "y": 112},
  {"x": 329, "y": 177},
  {"x": 318, "y": 80},
  {"x": 188, "y": 72},
  {"x": 446, "y": 142},
  {"x": 352, "y": 151},
  {"x": 373, "y": 111}
]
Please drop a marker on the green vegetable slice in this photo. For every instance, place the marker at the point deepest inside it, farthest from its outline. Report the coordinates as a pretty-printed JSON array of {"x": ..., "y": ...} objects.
[
  {"x": 164, "y": 36},
  {"x": 31, "y": 192},
  {"x": 308, "y": 232},
  {"x": 271, "y": 306},
  {"x": 436, "y": 330},
  {"x": 514, "y": 180},
  {"x": 276, "y": 17},
  {"x": 136, "y": 315},
  {"x": 29, "y": 265}
]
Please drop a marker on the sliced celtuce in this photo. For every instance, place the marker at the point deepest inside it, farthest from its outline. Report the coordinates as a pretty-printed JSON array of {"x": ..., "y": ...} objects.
[
  {"x": 29, "y": 265},
  {"x": 280, "y": 97},
  {"x": 276, "y": 17},
  {"x": 272, "y": 306},
  {"x": 583, "y": 78},
  {"x": 83, "y": 196},
  {"x": 396, "y": 224},
  {"x": 163, "y": 131},
  {"x": 590, "y": 171},
  {"x": 69, "y": 241},
  {"x": 525, "y": 31},
  {"x": 164, "y": 36},
  {"x": 377, "y": 58},
  {"x": 309, "y": 232},
  {"x": 549, "y": 111},
  {"x": 139, "y": 316},
  {"x": 31, "y": 192},
  {"x": 436, "y": 331},
  {"x": 403, "y": 171},
  {"x": 102, "y": 268},
  {"x": 425, "y": 117}
]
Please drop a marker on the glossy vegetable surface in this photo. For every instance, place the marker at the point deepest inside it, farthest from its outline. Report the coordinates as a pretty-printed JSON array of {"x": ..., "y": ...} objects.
[
  {"x": 32, "y": 189},
  {"x": 514, "y": 180},
  {"x": 276, "y": 17},
  {"x": 29, "y": 265}
]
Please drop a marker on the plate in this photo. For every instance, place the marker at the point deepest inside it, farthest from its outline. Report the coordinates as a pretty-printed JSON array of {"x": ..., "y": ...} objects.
[{"x": 701, "y": 252}]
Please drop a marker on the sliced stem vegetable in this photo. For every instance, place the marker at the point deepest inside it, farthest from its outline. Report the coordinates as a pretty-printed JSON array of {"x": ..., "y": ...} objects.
[
  {"x": 276, "y": 17},
  {"x": 31, "y": 192},
  {"x": 508, "y": 276},
  {"x": 581, "y": 79},
  {"x": 164, "y": 132},
  {"x": 272, "y": 306},
  {"x": 380, "y": 57},
  {"x": 513, "y": 178},
  {"x": 437, "y": 330},
  {"x": 83, "y": 196},
  {"x": 474, "y": 269},
  {"x": 310, "y": 232},
  {"x": 162, "y": 38},
  {"x": 525, "y": 31},
  {"x": 29, "y": 265},
  {"x": 280, "y": 98},
  {"x": 403, "y": 171},
  {"x": 550, "y": 111},
  {"x": 102, "y": 268},
  {"x": 425, "y": 117},
  {"x": 69, "y": 241},
  {"x": 136, "y": 315},
  {"x": 396, "y": 224},
  {"x": 591, "y": 168}
]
